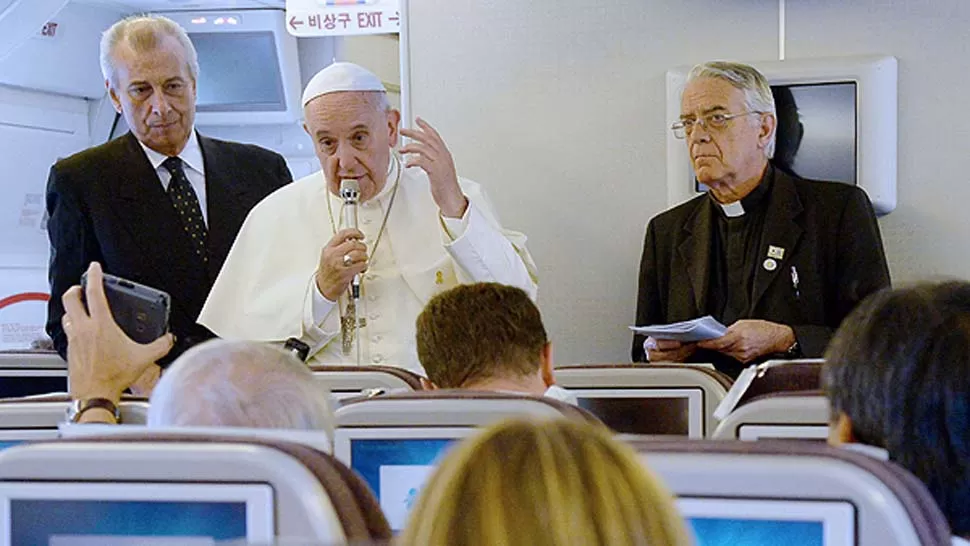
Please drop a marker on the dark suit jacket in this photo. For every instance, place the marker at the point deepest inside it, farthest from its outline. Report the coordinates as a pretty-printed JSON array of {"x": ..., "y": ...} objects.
[
  {"x": 829, "y": 234},
  {"x": 107, "y": 204}
]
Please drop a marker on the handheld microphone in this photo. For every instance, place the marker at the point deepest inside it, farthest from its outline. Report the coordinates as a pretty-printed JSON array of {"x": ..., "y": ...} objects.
[{"x": 350, "y": 193}]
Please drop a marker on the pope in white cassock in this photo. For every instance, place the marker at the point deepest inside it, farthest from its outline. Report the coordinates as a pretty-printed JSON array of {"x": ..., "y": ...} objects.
[{"x": 422, "y": 230}]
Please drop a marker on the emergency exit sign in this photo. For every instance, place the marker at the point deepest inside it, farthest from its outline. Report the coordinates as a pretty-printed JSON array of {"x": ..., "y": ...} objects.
[{"x": 307, "y": 18}]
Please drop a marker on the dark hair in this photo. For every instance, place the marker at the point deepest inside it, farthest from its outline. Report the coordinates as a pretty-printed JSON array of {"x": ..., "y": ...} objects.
[
  {"x": 475, "y": 332},
  {"x": 788, "y": 131},
  {"x": 899, "y": 369}
]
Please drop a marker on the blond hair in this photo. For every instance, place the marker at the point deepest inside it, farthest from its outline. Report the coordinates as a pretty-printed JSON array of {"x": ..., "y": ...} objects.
[{"x": 544, "y": 483}]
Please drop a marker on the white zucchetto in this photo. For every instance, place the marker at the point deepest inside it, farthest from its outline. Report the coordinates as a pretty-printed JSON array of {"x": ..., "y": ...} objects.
[{"x": 341, "y": 77}]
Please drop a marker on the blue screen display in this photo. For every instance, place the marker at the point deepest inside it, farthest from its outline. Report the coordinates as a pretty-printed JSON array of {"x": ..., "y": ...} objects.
[
  {"x": 396, "y": 470},
  {"x": 368, "y": 456},
  {"x": 753, "y": 532},
  {"x": 36, "y": 521}
]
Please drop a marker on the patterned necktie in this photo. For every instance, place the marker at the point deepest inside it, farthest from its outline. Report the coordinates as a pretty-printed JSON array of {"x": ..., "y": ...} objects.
[{"x": 186, "y": 204}]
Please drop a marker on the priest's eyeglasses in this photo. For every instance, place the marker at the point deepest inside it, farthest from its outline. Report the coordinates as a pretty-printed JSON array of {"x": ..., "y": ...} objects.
[{"x": 716, "y": 121}]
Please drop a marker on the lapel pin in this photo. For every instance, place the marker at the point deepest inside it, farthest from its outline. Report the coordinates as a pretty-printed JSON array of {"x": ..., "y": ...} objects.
[
  {"x": 776, "y": 252},
  {"x": 439, "y": 277},
  {"x": 770, "y": 264}
]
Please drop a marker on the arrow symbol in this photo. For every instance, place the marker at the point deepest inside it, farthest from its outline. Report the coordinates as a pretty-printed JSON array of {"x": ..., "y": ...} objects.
[{"x": 294, "y": 22}]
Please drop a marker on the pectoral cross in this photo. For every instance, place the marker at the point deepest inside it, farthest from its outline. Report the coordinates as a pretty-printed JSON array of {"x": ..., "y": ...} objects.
[{"x": 348, "y": 327}]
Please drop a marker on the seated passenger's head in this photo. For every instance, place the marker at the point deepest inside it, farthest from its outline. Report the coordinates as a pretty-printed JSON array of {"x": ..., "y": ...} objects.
[
  {"x": 484, "y": 336},
  {"x": 240, "y": 384},
  {"x": 897, "y": 375},
  {"x": 543, "y": 483}
]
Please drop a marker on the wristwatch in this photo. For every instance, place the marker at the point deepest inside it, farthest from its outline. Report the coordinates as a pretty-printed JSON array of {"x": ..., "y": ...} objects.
[{"x": 78, "y": 407}]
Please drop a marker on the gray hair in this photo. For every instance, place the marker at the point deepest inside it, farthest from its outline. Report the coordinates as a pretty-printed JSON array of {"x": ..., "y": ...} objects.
[
  {"x": 142, "y": 33},
  {"x": 240, "y": 384},
  {"x": 757, "y": 92}
]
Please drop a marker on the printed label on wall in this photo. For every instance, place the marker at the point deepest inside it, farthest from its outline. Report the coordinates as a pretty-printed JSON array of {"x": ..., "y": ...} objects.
[{"x": 306, "y": 18}]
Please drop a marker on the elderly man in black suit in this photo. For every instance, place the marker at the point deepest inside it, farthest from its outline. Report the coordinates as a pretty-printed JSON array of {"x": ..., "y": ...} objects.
[
  {"x": 779, "y": 259},
  {"x": 162, "y": 204}
]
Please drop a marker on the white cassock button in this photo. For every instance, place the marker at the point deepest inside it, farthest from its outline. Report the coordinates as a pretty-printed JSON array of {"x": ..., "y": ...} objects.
[
  {"x": 366, "y": 221},
  {"x": 375, "y": 316},
  {"x": 372, "y": 298},
  {"x": 376, "y": 339},
  {"x": 378, "y": 358}
]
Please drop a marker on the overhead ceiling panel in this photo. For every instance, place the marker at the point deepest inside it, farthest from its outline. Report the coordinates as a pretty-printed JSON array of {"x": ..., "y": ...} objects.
[{"x": 172, "y": 5}]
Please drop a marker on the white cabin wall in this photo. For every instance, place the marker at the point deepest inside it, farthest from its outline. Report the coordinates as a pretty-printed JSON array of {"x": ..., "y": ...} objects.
[
  {"x": 44, "y": 115},
  {"x": 928, "y": 235},
  {"x": 557, "y": 108},
  {"x": 380, "y": 53},
  {"x": 35, "y": 129},
  {"x": 67, "y": 63}
]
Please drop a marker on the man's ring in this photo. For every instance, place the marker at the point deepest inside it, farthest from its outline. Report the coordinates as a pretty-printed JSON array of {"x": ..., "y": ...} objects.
[{"x": 347, "y": 259}]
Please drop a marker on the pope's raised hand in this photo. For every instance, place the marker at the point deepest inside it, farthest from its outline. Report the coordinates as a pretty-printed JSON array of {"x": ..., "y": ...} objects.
[
  {"x": 429, "y": 152},
  {"x": 343, "y": 257}
]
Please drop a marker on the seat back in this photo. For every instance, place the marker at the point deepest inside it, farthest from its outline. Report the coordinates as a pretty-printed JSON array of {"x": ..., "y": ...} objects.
[
  {"x": 648, "y": 399},
  {"x": 31, "y": 359},
  {"x": 792, "y": 415},
  {"x": 350, "y": 381},
  {"x": 28, "y": 373},
  {"x": 36, "y": 418},
  {"x": 316, "y": 439},
  {"x": 394, "y": 441},
  {"x": 289, "y": 490},
  {"x": 785, "y": 376},
  {"x": 449, "y": 408},
  {"x": 771, "y": 377},
  {"x": 789, "y": 487}
]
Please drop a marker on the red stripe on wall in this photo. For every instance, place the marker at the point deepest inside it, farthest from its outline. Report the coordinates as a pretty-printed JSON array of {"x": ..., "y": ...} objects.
[{"x": 24, "y": 296}]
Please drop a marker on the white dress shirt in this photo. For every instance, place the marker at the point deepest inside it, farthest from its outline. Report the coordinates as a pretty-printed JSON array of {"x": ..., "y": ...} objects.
[{"x": 193, "y": 165}]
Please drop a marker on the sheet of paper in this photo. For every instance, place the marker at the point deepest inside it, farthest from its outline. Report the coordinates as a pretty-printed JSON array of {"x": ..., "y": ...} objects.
[{"x": 699, "y": 329}]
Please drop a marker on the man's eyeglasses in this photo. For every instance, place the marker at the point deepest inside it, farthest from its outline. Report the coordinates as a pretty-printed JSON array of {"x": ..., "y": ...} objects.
[{"x": 711, "y": 122}]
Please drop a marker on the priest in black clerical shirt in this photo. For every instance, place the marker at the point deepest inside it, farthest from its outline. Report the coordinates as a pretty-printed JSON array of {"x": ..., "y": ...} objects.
[{"x": 778, "y": 259}]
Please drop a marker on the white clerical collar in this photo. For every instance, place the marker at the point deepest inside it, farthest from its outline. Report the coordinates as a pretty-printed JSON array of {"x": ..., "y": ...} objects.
[
  {"x": 191, "y": 155},
  {"x": 732, "y": 210}
]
